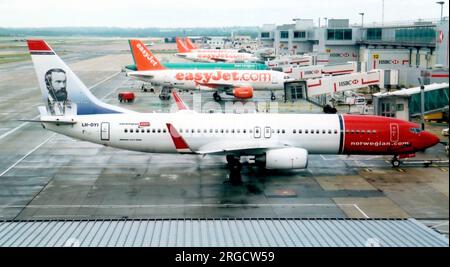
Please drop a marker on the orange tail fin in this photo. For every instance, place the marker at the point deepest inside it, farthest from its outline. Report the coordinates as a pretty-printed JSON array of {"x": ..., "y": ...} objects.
[
  {"x": 143, "y": 58},
  {"x": 189, "y": 43},
  {"x": 181, "y": 46}
]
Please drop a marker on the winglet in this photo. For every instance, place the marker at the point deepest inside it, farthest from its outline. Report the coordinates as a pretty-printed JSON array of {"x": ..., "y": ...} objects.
[
  {"x": 143, "y": 58},
  {"x": 189, "y": 43},
  {"x": 180, "y": 103},
  {"x": 181, "y": 46},
  {"x": 180, "y": 145}
]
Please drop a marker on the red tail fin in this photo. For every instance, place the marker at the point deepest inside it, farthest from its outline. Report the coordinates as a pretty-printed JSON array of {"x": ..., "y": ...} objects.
[
  {"x": 181, "y": 46},
  {"x": 143, "y": 58},
  {"x": 189, "y": 43}
]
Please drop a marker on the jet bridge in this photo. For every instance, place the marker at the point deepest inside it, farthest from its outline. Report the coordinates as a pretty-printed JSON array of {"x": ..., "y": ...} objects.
[
  {"x": 317, "y": 90},
  {"x": 406, "y": 103},
  {"x": 318, "y": 71},
  {"x": 353, "y": 81}
]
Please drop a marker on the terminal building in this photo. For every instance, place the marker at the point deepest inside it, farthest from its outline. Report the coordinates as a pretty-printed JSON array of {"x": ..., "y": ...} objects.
[{"x": 415, "y": 49}]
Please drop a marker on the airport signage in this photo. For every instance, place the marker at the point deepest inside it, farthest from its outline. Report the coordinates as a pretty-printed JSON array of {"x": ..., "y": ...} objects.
[
  {"x": 311, "y": 72},
  {"x": 389, "y": 62},
  {"x": 344, "y": 54},
  {"x": 206, "y": 77},
  {"x": 339, "y": 55},
  {"x": 349, "y": 82}
]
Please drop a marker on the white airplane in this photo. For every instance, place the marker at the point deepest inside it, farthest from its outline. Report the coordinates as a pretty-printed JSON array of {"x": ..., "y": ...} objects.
[
  {"x": 239, "y": 83},
  {"x": 191, "y": 47},
  {"x": 213, "y": 55},
  {"x": 277, "y": 141}
]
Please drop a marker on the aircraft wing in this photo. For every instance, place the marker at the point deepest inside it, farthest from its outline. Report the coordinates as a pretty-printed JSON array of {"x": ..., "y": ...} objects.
[
  {"x": 61, "y": 121},
  {"x": 243, "y": 147},
  {"x": 140, "y": 76},
  {"x": 222, "y": 147},
  {"x": 219, "y": 85},
  {"x": 218, "y": 59}
]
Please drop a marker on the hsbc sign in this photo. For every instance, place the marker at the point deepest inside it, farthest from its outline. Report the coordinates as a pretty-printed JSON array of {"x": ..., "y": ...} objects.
[
  {"x": 389, "y": 62},
  {"x": 339, "y": 55},
  {"x": 311, "y": 72},
  {"x": 348, "y": 83}
]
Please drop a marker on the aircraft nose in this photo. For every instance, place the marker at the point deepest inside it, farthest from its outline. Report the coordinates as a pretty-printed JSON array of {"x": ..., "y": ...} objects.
[{"x": 428, "y": 140}]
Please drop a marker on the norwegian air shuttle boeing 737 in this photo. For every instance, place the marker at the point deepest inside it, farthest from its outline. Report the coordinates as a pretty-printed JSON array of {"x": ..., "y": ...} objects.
[
  {"x": 278, "y": 141},
  {"x": 239, "y": 83}
]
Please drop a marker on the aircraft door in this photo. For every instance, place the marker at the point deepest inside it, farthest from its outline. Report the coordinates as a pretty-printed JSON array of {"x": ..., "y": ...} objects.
[
  {"x": 104, "y": 131},
  {"x": 394, "y": 132},
  {"x": 267, "y": 132},
  {"x": 257, "y": 132}
]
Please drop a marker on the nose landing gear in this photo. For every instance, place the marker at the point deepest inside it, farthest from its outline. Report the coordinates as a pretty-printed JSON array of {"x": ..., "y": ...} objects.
[
  {"x": 395, "y": 162},
  {"x": 217, "y": 97}
]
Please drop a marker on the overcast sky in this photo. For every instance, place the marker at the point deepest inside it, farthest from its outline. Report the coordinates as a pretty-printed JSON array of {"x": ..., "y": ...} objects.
[{"x": 201, "y": 13}]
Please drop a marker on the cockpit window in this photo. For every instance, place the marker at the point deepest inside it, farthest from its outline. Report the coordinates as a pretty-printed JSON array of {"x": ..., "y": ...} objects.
[{"x": 415, "y": 130}]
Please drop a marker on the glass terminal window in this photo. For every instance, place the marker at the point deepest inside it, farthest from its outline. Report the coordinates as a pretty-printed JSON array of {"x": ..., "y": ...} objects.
[{"x": 284, "y": 34}]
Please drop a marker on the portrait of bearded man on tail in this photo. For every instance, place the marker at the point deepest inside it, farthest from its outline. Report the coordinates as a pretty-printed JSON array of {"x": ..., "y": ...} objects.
[{"x": 56, "y": 81}]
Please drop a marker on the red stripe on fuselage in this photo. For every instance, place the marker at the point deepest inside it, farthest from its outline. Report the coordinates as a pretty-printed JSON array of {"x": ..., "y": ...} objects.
[{"x": 439, "y": 75}]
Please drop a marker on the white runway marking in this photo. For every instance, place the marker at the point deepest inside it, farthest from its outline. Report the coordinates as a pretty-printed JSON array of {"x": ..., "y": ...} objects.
[
  {"x": 26, "y": 155},
  {"x": 104, "y": 80},
  {"x": 168, "y": 206}
]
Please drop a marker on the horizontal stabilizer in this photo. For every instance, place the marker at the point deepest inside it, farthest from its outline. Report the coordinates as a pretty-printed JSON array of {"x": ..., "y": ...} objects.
[{"x": 53, "y": 120}]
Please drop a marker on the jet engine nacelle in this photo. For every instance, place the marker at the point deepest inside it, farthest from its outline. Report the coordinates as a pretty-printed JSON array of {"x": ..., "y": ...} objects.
[
  {"x": 243, "y": 92},
  {"x": 286, "y": 158}
]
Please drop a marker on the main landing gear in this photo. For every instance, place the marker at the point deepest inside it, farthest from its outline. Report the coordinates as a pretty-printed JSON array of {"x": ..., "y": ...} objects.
[
  {"x": 235, "y": 167},
  {"x": 272, "y": 96},
  {"x": 165, "y": 93},
  {"x": 217, "y": 97},
  {"x": 395, "y": 162}
]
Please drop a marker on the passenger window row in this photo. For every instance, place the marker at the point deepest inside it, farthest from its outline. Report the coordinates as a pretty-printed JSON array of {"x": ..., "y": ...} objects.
[
  {"x": 238, "y": 131},
  {"x": 360, "y": 131},
  {"x": 145, "y": 130},
  {"x": 215, "y": 131},
  {"x": 315, "y": 131}
]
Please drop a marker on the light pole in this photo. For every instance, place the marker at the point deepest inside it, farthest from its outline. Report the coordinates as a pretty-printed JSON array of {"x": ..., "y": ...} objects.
[
  {"x": 326, "y": 22},
  {"x": 422, "y": 104},
  {"x": 362, "y": 19},
  {"x": 442, "y": 7}
]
